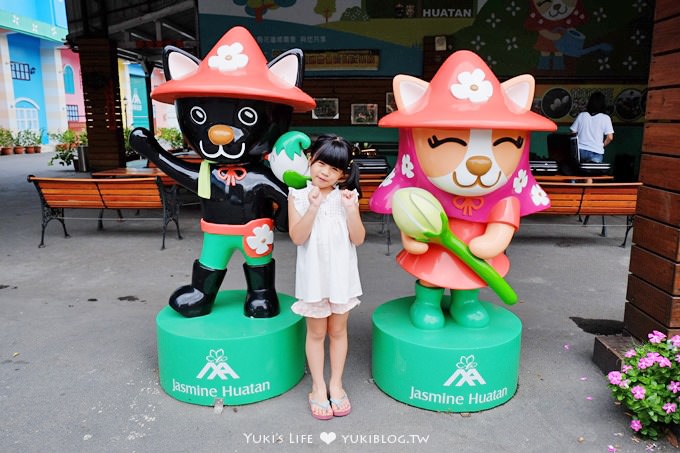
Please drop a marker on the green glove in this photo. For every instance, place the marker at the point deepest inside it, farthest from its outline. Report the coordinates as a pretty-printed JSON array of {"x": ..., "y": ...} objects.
[{"x": 295, "y": 180}]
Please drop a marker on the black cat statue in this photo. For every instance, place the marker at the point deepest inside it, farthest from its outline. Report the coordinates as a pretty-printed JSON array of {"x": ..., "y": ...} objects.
[{"x": 231, "y": 107}]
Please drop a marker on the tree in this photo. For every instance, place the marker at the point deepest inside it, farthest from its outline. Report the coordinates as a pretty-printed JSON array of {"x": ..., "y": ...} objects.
[
  {"x": 258, "y": 8},
  {"x": 325, "y": 8}
]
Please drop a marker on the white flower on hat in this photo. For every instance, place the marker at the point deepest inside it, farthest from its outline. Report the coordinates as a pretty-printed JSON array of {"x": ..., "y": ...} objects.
[
  {"x": 472, "y": 86},
  {"x": 229, "y": 58}
]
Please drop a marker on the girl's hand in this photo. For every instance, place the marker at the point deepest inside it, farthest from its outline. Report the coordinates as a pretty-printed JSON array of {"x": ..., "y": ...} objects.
[
  {"x": 347, "y": 198},
  {"x": 315, "y": 197}
]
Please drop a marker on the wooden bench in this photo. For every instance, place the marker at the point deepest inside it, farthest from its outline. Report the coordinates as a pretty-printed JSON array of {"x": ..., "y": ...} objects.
[
  {"x": 57, "y": 194},
  {"x": 588, "y": 199}
]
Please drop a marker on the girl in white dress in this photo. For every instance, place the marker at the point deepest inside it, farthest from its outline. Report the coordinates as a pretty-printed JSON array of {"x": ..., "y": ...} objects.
[{"x": 325, "y": 224}]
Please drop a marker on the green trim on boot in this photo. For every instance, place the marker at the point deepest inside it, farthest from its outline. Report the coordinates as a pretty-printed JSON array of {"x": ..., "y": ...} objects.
[
  {"x": 426, "y": 312},
  {"x": 466, "y": 309}
]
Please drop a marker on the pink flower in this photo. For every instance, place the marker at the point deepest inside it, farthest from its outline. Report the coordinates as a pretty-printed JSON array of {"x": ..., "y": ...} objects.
[
  {"x": 677, "y": 358},
  {"x": 669, "y": 407},
  {"x": 638, "y": 392},
  {"x": 664, "y": 362},
  {"x": 625, "y": 384},
  {"x": 635, "y": 425},
  {"x": 675, "y": 341},
  {"x": 674, "y": 387},
  {"x": 626, "y": 368},
  {"x": 612, "y": 449},
  {"x": 656, "y": 337},
  {"x": 630, "y": 353},
  {"x": 614, "y": 378},
  {"x": 645, "y": 362}
]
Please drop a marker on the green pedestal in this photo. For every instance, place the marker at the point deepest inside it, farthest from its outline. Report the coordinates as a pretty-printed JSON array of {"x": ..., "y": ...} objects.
[
  {"x": 454, "y": 369},
  {"x": 228, "y": 356}
]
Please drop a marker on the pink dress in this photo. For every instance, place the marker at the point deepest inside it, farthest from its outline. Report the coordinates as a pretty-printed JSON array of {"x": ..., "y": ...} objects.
[{"x": 440, "y": 267}]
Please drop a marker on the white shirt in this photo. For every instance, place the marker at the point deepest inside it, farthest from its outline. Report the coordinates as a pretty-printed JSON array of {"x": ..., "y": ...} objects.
[
  {"x": 591, "y": 130},
  {"x": 327, "y": 262}
]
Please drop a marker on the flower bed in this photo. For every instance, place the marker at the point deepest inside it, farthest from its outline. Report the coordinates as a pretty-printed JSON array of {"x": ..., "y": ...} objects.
[{"x": 648, "y": 384}]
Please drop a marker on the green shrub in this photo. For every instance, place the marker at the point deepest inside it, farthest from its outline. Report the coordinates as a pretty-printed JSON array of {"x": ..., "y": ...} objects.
[
  {"x": 6, "y": 138},
  {"x": 171, "y": 136}
]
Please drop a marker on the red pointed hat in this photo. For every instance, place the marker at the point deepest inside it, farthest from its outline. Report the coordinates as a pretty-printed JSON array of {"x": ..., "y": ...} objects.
[
  {"x": 464, "y": 94},
  {"x": 236, "y": 67}
]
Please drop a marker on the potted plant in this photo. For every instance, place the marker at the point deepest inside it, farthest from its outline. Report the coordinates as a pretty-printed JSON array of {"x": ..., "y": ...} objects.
[
  {"x": 21, "y": 141},
  {"x": 81, "y": 163},
  {"x": 648, "y": 385},
  {"x": 29, "y": 139},
  {"x": 6, "y": 142},
  {"x": 130, "y": 153},
  {"x": 65, "y": 150},
  {"x": 171, "y": 137},
  {"x": 35, "y": 139}
]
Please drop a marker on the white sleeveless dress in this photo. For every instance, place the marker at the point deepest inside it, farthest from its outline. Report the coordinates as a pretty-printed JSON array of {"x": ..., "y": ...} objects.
[{"x": 326, "y": 273}]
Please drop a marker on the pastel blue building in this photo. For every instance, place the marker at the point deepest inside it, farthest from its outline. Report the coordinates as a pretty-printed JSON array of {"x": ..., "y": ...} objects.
[{"x": 32, "y": 86}]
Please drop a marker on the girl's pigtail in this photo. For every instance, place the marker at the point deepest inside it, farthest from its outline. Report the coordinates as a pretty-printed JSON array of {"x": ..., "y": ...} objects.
[{"x": 352, "y": 181}]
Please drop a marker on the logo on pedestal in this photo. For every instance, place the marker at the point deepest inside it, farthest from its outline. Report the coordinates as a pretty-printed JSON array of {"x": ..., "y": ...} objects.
[
  {"x": 466, "y": 373},
  {"x": 217, "y": 366}
]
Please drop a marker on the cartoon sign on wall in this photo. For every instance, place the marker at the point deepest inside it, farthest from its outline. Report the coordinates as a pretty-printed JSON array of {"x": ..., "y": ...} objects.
[{"x": 564, "y": 38}]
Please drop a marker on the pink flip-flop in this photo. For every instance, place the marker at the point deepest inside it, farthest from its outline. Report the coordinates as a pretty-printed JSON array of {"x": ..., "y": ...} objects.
[
  {"x": 323, "y": 406},
  {"x": 338, "y": 403}
]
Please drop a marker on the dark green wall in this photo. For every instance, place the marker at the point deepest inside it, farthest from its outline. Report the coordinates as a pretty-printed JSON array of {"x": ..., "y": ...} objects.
[{"x": 627, "y": 143}]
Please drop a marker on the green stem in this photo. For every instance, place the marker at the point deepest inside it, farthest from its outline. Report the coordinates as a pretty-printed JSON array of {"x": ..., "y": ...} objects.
[{"x": 480, "y": 267}]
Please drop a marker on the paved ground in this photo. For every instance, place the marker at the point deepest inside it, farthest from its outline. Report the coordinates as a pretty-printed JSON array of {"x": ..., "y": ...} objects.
[{"x": 78, "y": 365}]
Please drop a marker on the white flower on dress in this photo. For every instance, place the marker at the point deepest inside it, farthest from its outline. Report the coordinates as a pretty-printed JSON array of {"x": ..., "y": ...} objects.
[
  {"x": 407, "y": 166},
  {"x": 538, "y": 196},
  {"x": 472, "y": 86},
  {"x": 388, "y": 180},
  {"x": 262, "y": 238},
  {"x": 229, "y": 58},
  {"x": 520, "y": 181}
]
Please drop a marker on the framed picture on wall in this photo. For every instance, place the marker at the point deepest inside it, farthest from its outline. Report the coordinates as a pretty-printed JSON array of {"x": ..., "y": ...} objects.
[
  {"x": 390, "y": 105},
  {"x": 326, "y": 109},
  {"x": 364, "y": 114}
]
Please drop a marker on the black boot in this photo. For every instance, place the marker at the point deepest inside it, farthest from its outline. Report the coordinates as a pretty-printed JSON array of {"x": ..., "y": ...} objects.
[
  {"x": 197, "y": 299},
  {"x": 261, "y": 300}
]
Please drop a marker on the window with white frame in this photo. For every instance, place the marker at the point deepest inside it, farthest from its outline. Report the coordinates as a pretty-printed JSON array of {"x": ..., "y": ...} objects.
[{"x": 27, "y": 115}]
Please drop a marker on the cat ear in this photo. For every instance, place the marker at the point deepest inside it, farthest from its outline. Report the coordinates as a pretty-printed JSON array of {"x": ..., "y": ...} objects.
[
  {"x": 519, "y": 93},
  {"x": 178, "y": 64},
  {"x": 288, "y": 67},
  {"x": 408, "y": 91}
]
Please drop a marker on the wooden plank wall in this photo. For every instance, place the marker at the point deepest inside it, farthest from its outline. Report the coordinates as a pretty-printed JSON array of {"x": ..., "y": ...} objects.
[
  {"x": 654, "y": 282},
  {"x": 102, "y": 103}
]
